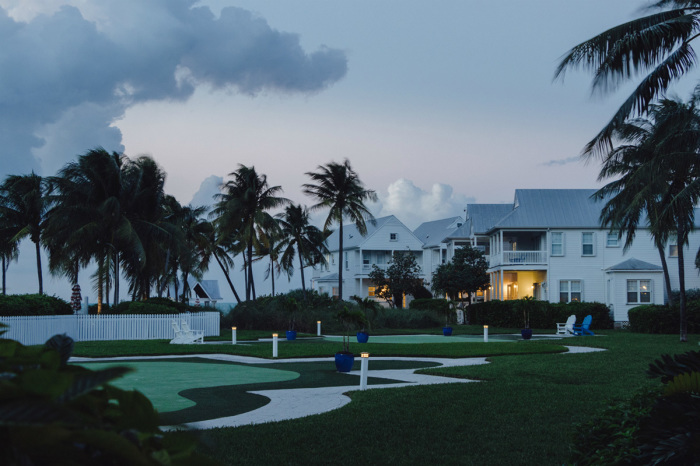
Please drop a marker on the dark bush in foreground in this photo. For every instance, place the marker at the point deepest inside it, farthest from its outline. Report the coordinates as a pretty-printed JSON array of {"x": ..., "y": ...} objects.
[
  {"x": 149, "y": 306},
  {"x": 543, "y": 314},
  {"x": 33, "y": 305},
  {"x": 433, "y": 305},
  {"x": 664, "y": 319}
]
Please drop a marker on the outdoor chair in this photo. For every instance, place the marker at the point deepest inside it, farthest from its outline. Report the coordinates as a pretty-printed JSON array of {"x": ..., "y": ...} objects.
[
  {"x": 192, "y": 336},
  {"x": 178, "y": 334},
  {"x": 566, "y": 328},
  {"x": 584, "y": 328}
]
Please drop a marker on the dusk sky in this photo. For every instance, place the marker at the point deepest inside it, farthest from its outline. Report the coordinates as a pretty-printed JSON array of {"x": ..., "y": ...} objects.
[{"x": 435, "y": 104}]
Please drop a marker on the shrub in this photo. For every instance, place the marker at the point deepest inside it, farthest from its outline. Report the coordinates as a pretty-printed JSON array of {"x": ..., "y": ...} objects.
[
  {"x": 73, "y": 416},
  {"x": 654, "y": 318},
  {"x": 543, "y": 314},
  {"x": 33, "y": 305},
  {"x": 441, "y": 306},
  {"x": 407, "y": 318}
]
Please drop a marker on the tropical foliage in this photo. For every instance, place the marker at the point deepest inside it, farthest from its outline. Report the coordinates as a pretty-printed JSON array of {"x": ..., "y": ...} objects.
[
  {"x": 401, "y": 278},
  {"x": 337, "y": 187},
  {"x": 464, "y": 275}
]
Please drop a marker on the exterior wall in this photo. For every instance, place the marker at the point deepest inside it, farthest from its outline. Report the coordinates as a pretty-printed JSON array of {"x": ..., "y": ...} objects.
[{"x": 616, "y": 291}]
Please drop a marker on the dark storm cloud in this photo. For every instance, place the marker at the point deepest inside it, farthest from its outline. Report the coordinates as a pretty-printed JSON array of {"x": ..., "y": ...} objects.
[
  {"x": 559, "y": 162},
  {"x": 64, "y": 78}
]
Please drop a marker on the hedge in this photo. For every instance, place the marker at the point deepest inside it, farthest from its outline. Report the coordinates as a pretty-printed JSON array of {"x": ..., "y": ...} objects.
[
  {"x": 439, "y": 306},
  {"x": 543, "y": 314},
  {"x": 149, "y": 306},
  {"x": 654, "y": 318},
  {"x": 33, "y": 305}
]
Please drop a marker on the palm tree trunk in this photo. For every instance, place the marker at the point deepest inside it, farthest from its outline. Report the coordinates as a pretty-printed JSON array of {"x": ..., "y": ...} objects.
[
  {"x": 38, "y": 267},
  {"x": 272, "y": 274},
  {"x": 100, "y": 266},
  {"x": 340, "y": 259},
  {"x": 301, "y": 267},
  {"x": 4, "y": 283},
  {"x": 116, "y": 278},
  {"x": 667, "y": 277},
  {"x": 250, "y": 269},
  {"x": 186, "y": 292},
  {"x": 228, "y": 279},
  {"x": 108, "y": 280},
  {"x": 681, "y": 282}
]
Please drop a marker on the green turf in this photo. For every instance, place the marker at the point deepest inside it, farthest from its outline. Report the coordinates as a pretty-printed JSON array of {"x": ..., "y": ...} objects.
[
  {"x": 422, "y": 339},
  {"x": 523, "y": 413},
  {"x": 162, "y": 381}
]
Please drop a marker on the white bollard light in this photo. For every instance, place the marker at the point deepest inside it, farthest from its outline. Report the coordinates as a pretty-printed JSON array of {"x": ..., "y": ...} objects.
[
  {"x": 233, "y": 335},
  {"x": 274, "y": 345},
  {"x": 318, "y": 328},
  {"x": 364, "y": 357},
  {"x": 486, "y": 333}
]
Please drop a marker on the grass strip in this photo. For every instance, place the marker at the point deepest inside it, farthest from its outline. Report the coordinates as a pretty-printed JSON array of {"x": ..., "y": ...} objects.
[{"x": 312, "y": 348}]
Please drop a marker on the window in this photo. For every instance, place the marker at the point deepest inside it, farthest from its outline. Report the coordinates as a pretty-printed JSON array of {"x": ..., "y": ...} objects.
[
  {"x": 365, "y": 259},
  {"x": 380, "y": 257},
  {"x": 557, "y": 243},
  {"x": 569, "y": 291},
  {"x": 587, "y": 248},
  {"x": 673, "y": 246},
  {"x": 370, "y": 291},
  {"x": 612, "y": 240},
  {"x": 347, "y": 264},
  {"x": 393, "y": 236},
  {"x": 335, "y": 291},
  {"x": 638, "y": 291}
]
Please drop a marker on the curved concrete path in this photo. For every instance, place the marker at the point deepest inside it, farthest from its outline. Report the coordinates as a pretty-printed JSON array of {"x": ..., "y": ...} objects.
[{"x": 301, "y": 402}]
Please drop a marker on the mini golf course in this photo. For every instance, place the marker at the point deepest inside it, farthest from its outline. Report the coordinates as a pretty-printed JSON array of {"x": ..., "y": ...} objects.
[{"x": 192, "y": 389}]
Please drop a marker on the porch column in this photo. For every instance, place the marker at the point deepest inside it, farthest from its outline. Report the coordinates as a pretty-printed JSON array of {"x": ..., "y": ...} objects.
[{"x": 500, "y": 285}]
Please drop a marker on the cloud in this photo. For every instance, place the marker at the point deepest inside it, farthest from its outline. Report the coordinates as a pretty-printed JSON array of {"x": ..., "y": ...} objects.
[
  {"x": 205, "y": 195},
  {"x": 68, "y": 74},
  {"x": 558, "y": 162},
  {"x": 413, "y": 206}
]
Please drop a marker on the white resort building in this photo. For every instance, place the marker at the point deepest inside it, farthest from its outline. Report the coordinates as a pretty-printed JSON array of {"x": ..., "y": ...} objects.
[{"x": 548, "y": 244}]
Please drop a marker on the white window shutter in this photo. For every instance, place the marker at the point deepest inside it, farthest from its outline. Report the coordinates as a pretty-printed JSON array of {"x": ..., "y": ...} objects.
[{"x": 563, "y": 243}]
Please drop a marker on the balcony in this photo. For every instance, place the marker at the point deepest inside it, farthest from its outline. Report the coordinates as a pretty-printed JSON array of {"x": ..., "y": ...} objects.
[
  {"x": 365, "y": 269},
  {"x": 519, "y": 258}
]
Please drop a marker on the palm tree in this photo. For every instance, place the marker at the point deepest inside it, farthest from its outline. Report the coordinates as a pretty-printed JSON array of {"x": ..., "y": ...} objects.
[
  {"x": 269, "y": 245},
  {"x": 242, "y": 207},
  {"x": 659, "y": 174},
  {"x": 337, "y": 187},
  {"x": 23, "y": 207},
  {"x": 9, "y": 251},
  {"x": 301, "y": 239},
  {"x": 658, "y": 44},
  {"x": 221, "y": 249}
]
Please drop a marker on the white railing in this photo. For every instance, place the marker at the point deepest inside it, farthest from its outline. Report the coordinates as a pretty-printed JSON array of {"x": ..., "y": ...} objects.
[
  {"x": 35, "y": 330},
  {"x": 519, "y": 258},
  {"x": 365, "y": 269}
]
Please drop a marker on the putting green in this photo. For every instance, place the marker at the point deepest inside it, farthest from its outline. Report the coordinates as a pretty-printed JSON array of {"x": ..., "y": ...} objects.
[
  {"x": 417, "y": 339},
  {"x": 162, "y": 381}
]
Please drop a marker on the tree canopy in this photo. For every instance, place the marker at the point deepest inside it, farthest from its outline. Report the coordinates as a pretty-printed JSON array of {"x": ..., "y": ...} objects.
[
  {"x": 402, "y": 277},
  {"x": 464, "y": 274}
]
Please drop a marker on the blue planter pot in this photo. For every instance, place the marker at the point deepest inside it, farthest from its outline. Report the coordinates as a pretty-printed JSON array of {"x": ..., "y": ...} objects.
[
  {"x": 291, "y": 335},
  {"x": 362, "y": 337},
  {"x": 447, "y": 331},
  {"x": 526, "y": 333},
  {"x": 344, "y": 362}
]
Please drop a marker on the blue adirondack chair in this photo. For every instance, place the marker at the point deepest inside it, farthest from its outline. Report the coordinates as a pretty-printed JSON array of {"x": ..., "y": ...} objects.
[{"x": 584, "y": 328}]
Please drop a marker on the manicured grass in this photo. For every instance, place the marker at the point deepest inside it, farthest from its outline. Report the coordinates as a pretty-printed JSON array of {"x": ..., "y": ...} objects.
[
  {"x": 311, "y": 348},
  {"x": 523, "y": 412}
]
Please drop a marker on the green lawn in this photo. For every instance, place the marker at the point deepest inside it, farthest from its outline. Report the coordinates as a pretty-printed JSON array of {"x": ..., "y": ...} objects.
[{"x": 523, "y": 412}]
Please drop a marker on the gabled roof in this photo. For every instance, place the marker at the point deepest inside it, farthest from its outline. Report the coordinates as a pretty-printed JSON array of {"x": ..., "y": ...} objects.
[
  {"x": 332, "y": 277},
  {"x": 635, "y": 265},
  {"x": 210, "y": 289},
  {"x": 433, "y": 233},
  {"x": 553, "y": 208},
  {"x": 353, "y": 239},
  {"x": 484, "y": 216}
]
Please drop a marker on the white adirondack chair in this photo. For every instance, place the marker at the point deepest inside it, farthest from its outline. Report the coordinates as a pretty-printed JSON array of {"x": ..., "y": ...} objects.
[
  {"x": 566, "y": 328},
  {"x": 192, "y": 336},
  {"x": 178, "y": 340}
]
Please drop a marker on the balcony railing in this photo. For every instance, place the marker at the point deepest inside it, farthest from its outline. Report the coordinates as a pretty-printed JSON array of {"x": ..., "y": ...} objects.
[
  {"x": 365, "y": 269},
  {"x": 519, "y": 258}
]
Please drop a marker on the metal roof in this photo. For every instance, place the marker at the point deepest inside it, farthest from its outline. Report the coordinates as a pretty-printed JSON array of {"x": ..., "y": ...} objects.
[
  {"x": 547, "y": 208},
  {"x": 635, "y": 265},
  {"x": 484, "y": 216},
  {"x": 352, "y": 237},
  {"x": 433, "y": 233}
]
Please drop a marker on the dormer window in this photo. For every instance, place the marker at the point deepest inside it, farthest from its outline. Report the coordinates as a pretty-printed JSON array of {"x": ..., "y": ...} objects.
[{"x": 393, "y": 236}]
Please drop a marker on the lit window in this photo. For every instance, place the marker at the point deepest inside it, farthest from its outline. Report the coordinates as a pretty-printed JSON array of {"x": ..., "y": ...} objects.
[
  {"x": 393, "y": 236},
  {"x": 557, "y": 243},
  {"x": 638, "y": 291},
  {"x": 587, "y": 244},
  {"x": 612, "y": 240},
  {"x": 672, "y": 246},
  {"x": 569, "y": 291},
  {"x": 370, "y": 291}
]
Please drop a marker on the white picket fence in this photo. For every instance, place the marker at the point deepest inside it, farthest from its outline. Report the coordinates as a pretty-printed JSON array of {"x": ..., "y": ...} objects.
[{"x": 35, "y": 330}]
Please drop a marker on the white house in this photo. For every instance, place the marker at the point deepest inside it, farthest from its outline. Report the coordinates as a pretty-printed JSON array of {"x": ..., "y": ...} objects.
[
  {"x": 548, "y": 244},
  {"x": 360, "y": 253}
]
